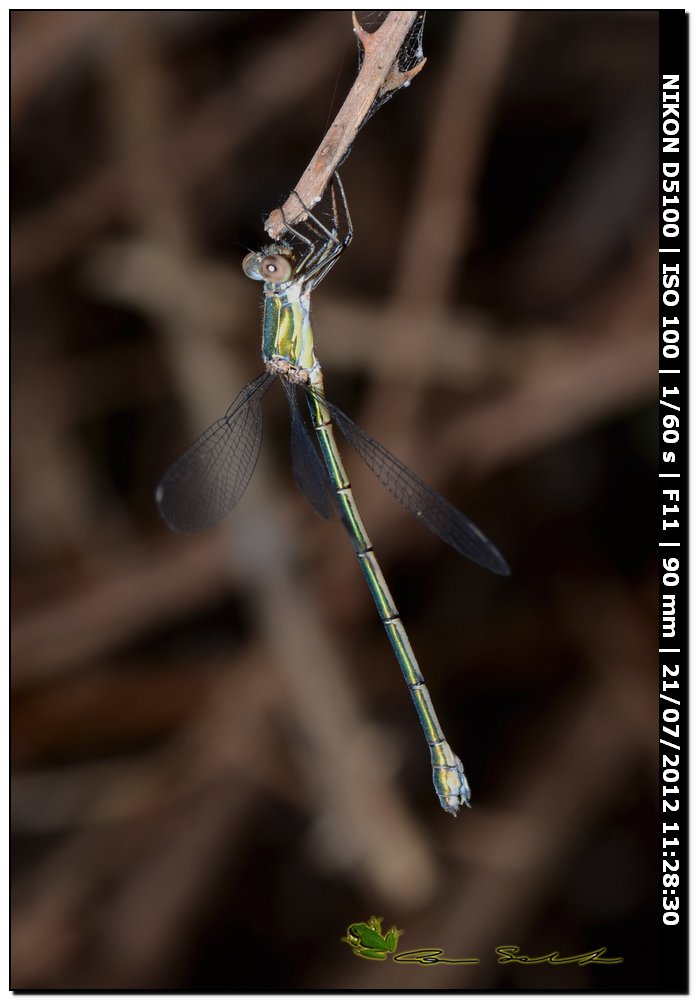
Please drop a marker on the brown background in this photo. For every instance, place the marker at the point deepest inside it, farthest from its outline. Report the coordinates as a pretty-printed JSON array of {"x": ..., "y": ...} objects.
[{"x": 217, "y": 765}]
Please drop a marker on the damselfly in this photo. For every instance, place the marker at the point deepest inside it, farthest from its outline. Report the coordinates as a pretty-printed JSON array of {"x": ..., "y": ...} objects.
[{"x": 211, "y": 476}]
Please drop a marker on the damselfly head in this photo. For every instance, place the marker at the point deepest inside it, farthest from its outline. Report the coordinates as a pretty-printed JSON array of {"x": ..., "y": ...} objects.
[{"x": 275, "y": 264}]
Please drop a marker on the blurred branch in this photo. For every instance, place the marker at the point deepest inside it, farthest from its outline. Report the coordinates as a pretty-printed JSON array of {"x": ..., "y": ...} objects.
[
  {"x": 216, "y": 725},
  {"x": 548, "y": 400},
  {"x": 44, "y": 43},
  {"x": 441, "y": 221},
  {"x": 217, "y": 127},
  {"x": 145, "y": 586},
  {"x": 379, "y": 75}
]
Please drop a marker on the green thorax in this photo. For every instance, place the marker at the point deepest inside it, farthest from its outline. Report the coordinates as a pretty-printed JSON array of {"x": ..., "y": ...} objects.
[{"x": 287, "y": 332}]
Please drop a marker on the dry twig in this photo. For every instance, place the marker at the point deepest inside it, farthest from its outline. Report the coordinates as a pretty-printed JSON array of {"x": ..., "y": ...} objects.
[{"x": 378, "y": 76}]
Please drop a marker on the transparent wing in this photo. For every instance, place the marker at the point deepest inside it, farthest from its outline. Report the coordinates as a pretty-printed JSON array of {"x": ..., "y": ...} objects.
[
  {"x": 309, "y": 472},
  {"x": 211, "y": 476},
  {"x": 420, "y": 500}
]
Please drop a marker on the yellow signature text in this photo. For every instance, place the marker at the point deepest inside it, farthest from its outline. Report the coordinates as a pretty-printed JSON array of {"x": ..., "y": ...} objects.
[
  {"x": 510, "y": 954},
  {"x": 431, "y": 956}
]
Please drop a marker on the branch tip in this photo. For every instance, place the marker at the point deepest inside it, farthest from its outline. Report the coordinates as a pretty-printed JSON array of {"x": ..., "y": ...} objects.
[
  {"x": 398, "y": 78},
  {"x": 361, "y": 34}
]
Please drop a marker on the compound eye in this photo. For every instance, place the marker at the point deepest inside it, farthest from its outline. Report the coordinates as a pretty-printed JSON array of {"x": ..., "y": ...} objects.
[{"x": 275, "y": 267}]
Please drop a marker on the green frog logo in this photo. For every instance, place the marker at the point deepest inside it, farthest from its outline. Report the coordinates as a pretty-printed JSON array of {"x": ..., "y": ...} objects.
[{"x": 367, "y": 940}]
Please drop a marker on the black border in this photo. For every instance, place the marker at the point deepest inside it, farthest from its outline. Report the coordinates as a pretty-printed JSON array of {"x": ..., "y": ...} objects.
[{"x": 673, "y": 940}]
